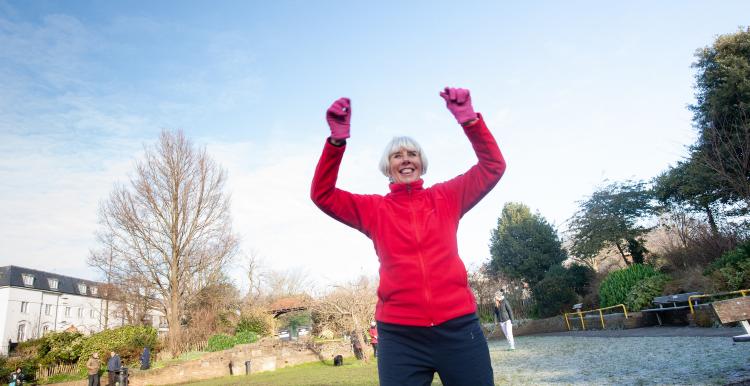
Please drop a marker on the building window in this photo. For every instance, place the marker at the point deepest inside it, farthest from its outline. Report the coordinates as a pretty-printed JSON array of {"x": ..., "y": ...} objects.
[
  {"x": 52, "y": 283},
  {"x": 45, "y": 329},
  {"x": 94, "y": 290},
  {"x": 91, "y": 313},
  {"x": 48, "y": 309},
  {"x": 21, "y": 333},
  {"x": 67, "y": 312},
  {"x": 28, "y": 280},
  {"x": 80, "y": 313},
  {"x": 24, "y": 307},
  {"x": 82, "y": 288}
]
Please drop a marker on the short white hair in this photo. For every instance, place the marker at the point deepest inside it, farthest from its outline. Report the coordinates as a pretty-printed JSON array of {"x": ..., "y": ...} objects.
[{"x": 395, "y": 145}]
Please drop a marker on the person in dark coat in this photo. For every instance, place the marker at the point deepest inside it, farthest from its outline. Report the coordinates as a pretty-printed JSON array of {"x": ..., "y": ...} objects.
[
  {"x": 146, "y": 359},
  {"x": 114, "y": 366},
  {"x": 16, "y": 377},
  {"x": 504, "y": 316}
]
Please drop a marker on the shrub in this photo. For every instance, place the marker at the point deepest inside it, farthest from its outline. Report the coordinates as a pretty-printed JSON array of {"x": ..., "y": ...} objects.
[
  {"x": 730, "y": 258},
  {"x": 618, "y": 284},
  {"x": 127, "y": 341},
  {"x": 699, "y": 246},
  {"x": 731, "y": 271},
  {"x": 255, "y": 320},
  {"x": 553, "y": 294},
  {"x": 643, "y": 292},
  {"x": 245, "y": 337},
  {"x": 4, "y": 368},
  {"x": 734, "y": 277},
  {"x": 220, "y": 342},
  {"x": 60, "y": 347}
]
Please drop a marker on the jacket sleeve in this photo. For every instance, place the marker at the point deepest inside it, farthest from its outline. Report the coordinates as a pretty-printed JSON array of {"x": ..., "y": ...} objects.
[
  {"x": 472, "y": 186},
  {"x": 353, "y": 210},
  {"x": 510, "y": 312}
]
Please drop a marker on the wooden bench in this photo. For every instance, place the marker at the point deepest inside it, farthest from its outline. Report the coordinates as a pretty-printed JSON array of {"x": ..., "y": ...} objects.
[
  {"x": 671, "y": 303},
  {"x": 735, "y": 310}
]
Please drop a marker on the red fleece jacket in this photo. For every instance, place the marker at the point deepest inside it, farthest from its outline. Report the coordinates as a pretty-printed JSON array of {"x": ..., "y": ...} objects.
[{"x": 423, "y": 281}]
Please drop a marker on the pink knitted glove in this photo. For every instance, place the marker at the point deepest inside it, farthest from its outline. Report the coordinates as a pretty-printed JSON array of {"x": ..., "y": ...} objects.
[
  {"x": 458, "y": 101},
  {"x": 338, "y": 117}
]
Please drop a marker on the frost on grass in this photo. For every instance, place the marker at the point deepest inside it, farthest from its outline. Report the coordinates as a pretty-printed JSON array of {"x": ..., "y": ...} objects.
[{"x": 623, "y": 361}]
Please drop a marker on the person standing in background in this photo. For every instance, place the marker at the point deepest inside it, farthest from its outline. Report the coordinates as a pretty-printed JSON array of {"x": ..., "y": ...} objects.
[
  {"x": 374, "y": 338},
  {"x": 146, "y": 359},
  {"x": 504, "y": 316},
  {"x": 113, "y": 368},
  {"x": 92, "y": 366}
]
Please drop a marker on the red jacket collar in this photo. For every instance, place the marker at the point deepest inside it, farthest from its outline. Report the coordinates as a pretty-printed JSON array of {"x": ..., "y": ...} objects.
[{"x": 398, "y": 188}]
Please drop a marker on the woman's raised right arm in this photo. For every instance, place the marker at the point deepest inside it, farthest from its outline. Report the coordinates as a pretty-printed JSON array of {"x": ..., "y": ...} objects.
[{"x": 350, "y": 209}]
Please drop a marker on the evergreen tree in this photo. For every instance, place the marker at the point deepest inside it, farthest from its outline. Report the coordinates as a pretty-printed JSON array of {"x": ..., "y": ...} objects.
[{"x": 524, "y": 245}]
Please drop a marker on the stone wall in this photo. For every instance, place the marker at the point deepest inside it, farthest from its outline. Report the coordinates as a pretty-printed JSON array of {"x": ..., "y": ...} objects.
[{"x": 267, "y": 355}]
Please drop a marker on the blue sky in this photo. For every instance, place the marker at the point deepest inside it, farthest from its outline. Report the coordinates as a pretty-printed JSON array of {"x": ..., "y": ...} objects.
[{"x": 575, "y": 92}]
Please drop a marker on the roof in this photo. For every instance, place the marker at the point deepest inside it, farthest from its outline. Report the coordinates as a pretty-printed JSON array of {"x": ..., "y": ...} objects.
[{"x": 12, "y": 276}]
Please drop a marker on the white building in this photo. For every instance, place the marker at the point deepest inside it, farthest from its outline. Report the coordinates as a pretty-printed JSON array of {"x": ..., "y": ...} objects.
[{"x": 33, "y": 303}]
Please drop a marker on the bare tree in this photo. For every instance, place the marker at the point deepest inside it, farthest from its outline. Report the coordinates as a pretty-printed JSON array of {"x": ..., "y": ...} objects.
[
  {"x": 348, "y": 309},
  {"x": 170, "y": 228},
  {"x": 726, "y": 150},
  {"x": 283, "y": 283}
]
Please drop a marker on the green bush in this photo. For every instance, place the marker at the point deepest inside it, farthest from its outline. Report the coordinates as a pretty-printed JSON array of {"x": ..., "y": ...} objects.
[
  {"x": 5, "y": 369},
  {"x": 220, "y": 342},
  {"x": 617, "y": 285},
  {"x": 730, "y": 258},
  {"x": 731, "y": 271},
  {"x": 127, "y": 341},
  {"x": 255, "y": 321},
  {"x": 60, "y": 347},
  {"x": 245, "y": 337},
  {"x": 553, "y": 295},
  {"x": 644, "y": 292},
  {"x": 733, "y": 277}
]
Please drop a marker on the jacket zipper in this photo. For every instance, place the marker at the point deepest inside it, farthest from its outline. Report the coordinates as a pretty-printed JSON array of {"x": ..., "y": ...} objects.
[{"x": 425, "y": 286}]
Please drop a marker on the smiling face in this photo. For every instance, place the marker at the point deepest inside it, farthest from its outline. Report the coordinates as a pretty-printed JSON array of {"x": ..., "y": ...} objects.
[{"x": 404, "y": 166}]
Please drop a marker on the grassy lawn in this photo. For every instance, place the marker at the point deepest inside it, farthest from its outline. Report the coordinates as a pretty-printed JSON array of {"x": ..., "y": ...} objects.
[{"x": 353, "y": 372}]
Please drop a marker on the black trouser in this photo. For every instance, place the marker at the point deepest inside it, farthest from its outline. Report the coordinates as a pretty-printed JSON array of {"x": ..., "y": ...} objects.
[
  {"x": 112, "y": 377},
  {"x": 375, "y": 350},
  {"x": 94, "y": 379},
  {"x": 457, "y": 350}
]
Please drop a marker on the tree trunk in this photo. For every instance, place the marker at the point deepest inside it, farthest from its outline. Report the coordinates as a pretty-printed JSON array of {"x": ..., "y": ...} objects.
[
  {"x": 622, "y": 253},
  {"x": 360, "y": 338},
  {"x": 711, "y": 220},
  {"x": 175, "y": 325}
]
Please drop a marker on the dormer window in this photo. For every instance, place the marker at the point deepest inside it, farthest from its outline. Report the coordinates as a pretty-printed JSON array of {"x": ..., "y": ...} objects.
[
  {"x": 94, "y": 290},
  {"x": 28, "y": 280},
  {"x": 52, "y": 283},
  {"x": 82, "y": 288}
]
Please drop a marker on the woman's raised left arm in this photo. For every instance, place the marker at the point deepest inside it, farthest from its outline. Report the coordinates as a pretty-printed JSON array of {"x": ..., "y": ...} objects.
[{"x": 473, "y": 185}]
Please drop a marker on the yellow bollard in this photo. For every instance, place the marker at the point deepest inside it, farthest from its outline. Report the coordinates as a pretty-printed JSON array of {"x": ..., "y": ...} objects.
[{"x": 583, "y": 323}]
